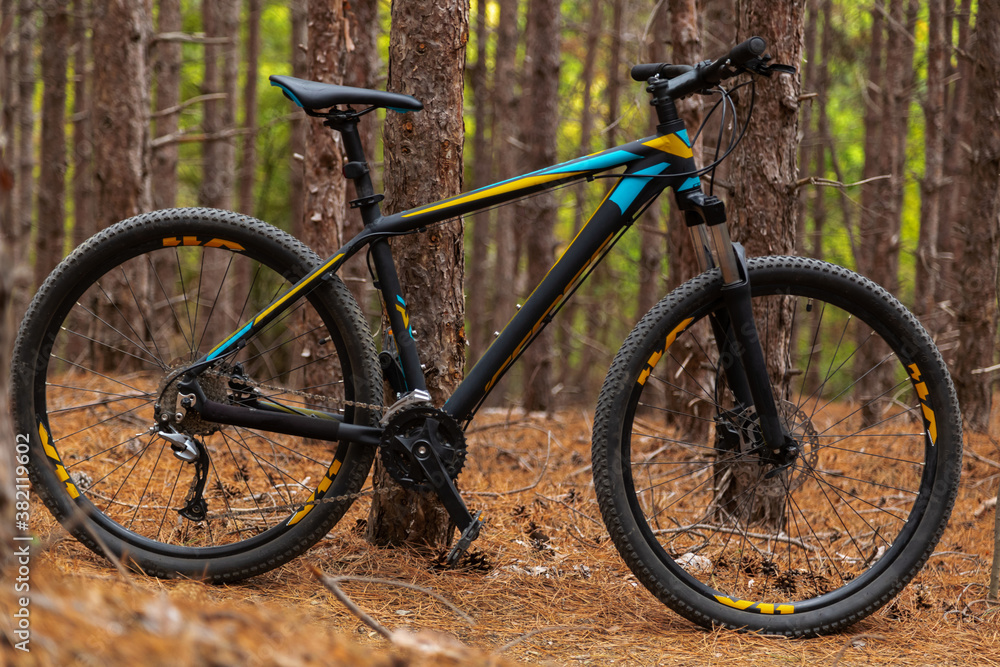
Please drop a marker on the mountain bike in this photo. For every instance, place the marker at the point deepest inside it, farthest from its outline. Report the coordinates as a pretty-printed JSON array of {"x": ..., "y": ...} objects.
[{"x": 776, "y": 445}]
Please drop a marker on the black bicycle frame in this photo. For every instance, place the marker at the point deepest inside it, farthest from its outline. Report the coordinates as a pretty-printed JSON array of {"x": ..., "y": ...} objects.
[{"x": 651, "y": 164}]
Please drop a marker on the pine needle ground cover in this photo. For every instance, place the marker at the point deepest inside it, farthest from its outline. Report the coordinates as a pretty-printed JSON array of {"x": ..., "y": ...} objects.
[{"x": 543, "y": 585}]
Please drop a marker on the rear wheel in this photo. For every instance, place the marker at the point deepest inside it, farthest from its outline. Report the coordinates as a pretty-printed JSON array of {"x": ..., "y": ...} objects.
[
  {"x": 98, "y": 349},
  {"x": 726, "y": 534}
]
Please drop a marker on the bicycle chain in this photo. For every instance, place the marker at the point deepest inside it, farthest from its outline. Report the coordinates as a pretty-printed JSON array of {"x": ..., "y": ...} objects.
[{"x": 316, "y": 501}]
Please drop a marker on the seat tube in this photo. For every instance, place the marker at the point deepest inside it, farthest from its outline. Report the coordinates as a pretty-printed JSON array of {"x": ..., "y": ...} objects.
[
  {"x": 396, "y": 309},
  {"x": 398, "y": 314}
]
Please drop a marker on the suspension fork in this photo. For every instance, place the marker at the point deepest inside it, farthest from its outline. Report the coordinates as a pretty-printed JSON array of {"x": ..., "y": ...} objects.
[{"x": 742, "y": 355}]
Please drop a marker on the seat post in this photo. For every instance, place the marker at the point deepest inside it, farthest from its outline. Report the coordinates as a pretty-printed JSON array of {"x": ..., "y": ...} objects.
[{"x": 356, "y": 167}]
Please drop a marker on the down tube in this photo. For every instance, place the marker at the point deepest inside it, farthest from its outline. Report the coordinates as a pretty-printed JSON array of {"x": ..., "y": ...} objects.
[{"x": 618, "y": 209}]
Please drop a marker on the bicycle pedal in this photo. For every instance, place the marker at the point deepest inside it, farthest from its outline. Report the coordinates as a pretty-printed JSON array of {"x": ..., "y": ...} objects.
[{"x": 468, "y": 536}]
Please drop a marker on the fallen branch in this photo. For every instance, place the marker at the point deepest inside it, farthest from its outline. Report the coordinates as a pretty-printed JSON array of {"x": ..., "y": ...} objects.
[
  {"x": 333, "y": 585},
  {"x": 829, "y": 183},
  {"x": 538, "y": 631}
]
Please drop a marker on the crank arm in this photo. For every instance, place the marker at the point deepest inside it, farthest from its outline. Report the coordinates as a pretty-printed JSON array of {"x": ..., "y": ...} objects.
[{"x": 425, "y": 456}]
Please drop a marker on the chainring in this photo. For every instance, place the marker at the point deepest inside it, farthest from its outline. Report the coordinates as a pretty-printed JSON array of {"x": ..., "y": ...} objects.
[{"x": 437, "y": 428}]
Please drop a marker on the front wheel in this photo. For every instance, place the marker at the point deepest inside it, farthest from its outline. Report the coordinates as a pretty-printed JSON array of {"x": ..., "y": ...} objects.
[{"x": 807, "y": 543}]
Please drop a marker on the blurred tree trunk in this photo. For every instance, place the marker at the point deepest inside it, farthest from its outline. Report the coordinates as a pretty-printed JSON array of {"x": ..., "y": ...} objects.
[
  {"x": 596, "y": 314},
  {"x": 569, "y": 339},
  {"x": 482, "y": 164},
  {"x": 363, "y": 71},
  {"x": 220, "y": 19},
  {"x": 248, "y": 160},
  {"x": 7, "y": 462},
  {"x": 167, "y": 70},
  {"x": 886, "y": 127},
  {"x": 424, "y": 163},
  {"x": 979, "y": 223},
  {"x": 955, "y": 165},
  {"x": 52, "y": 173},
  {"x": 300, "y": 122},
  {"x": 505, "y": 97},
  {"x": 653, "y": 245},
  {"x": 928, "y": 270},
  {"x": 83, "y": 134},
  {"x": 540, "y": 118},
  {"x": 120, "y": 109},
  {"x": 8, "y": 105},
  {"x": 686, "y": 41},
  {"x": 322, "y": 226},
  {"x": 682, "y": 263},
  {"x": 762, "y": 206},
  {"x": 25, "y": 168}
]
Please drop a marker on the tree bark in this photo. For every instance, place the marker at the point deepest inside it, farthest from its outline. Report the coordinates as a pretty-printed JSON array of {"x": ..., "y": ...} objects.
[
  {"x": 220, "y": 19},
  {"x": 569, "y": 340},
  {"x": 167, "y": 68},
  {"x": 653, "y": 244},
  {"x": 482, "y": 153},
  {"x": 540, "y": 114},
  {"x": 980, "y": 223},
  {"x": 120, "y": 106},
  {"x": 83, "y": 134},
  {"x": 928, "y": 271},
  {"x": 25, "y": 179},
  {"x": 424, "y": 163},
  {"x": 508, "y": 155},
  {"x": 52, "y": 174},
  {"x": 8, "y": 104},
  {"x": 762, "y": 208},
  {"x": 248, "y": 160},
  {"x": 300, "y": 69}
]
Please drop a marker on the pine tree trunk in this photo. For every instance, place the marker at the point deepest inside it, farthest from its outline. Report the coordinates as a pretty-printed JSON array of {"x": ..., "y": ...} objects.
[
  {"x": 7, "y": 461},
  {"x": 168, "y": 95},
  {"x": 653, "y": 245},
  {"x": 505, "y": 95},
  {"x": 25, "y": 179},
  {"x": 220, "y": 19},
  {"x": 300, "y": 69},
  {"x": 325, "y": 214},
  {"x": 980, "y": 223},
  {"x": 762, "y": 208},
  {"x": 83, "y": 134},
  {"x": 120, "y": 106},
  {"x": 8, "y": 101},
  {"x": 482, "y": 153},
  {"x": 424, "y": 163},
  {"x": 248, "y": 160},
  {"x": 52, "y": 174},
  {"x": 569, "y": 340},
  {"x": 538, "y": 214},
  {"x": 928, "y": 270}
]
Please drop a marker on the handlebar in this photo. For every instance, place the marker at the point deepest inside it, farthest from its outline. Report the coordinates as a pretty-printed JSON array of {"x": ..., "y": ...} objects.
[{"x": 688, "y": 79}]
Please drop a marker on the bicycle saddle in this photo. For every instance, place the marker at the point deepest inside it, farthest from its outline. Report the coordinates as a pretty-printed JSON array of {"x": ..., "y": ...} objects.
[{"x": 313, "y": 95}]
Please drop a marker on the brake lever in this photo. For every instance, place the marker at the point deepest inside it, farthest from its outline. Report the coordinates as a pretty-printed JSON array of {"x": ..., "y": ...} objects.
[{"x": 760, "y": 66}]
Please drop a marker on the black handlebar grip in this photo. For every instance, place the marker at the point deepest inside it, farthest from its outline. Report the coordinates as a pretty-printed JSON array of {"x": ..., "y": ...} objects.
[
  {"x": 746, "y": 51},
  {"x": 645, "y": 71},
  {"x": 665, "y": 70}
]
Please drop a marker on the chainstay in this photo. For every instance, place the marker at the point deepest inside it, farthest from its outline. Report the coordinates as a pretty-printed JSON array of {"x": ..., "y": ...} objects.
[
  {"x": 298, "y": 506},
  {"x": 319, "y": 398}
]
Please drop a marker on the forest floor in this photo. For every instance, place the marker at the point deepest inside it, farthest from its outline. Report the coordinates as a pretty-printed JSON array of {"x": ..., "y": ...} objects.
[{"x": 547, "y": 588}]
